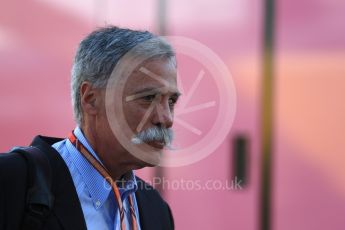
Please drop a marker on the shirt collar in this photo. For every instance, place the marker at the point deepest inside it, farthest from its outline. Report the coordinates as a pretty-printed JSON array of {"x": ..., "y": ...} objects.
[{"x": 98, "y": 187}]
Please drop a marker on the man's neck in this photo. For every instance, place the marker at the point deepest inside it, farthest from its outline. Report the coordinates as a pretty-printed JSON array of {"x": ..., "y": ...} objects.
[{"x": 110, "y": 159}]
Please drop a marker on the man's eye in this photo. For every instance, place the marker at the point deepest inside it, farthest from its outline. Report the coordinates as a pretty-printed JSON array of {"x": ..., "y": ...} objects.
[
  {"x": 149, "y": 98},
  {"x": 172, "y": 101}
]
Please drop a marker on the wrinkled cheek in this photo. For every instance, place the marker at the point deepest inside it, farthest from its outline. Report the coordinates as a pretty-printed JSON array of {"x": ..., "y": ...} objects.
[{"x": 134, "y": 118}]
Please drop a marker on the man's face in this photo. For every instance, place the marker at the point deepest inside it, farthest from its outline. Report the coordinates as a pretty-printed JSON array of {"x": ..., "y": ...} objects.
[
  {"x": 147, "y": 101},
  {"x": 150, "y": 95}
]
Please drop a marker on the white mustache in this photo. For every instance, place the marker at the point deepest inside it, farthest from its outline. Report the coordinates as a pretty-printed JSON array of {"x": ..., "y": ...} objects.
[{"x": 155, "y": 133}]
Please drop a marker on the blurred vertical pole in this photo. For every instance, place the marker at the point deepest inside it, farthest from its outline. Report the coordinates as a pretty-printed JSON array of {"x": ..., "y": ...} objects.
[
  {"x": 161, "y": 26},
  {"x": 240, "y": 159},
  {"x": 267, "y": 115},
  {"x": 162, "y": 18}
]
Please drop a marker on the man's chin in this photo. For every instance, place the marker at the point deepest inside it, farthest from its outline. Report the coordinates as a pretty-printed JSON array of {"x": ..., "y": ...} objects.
[
  {"x": 150, "y": 156},
  {"x": 154, "y": 158}
]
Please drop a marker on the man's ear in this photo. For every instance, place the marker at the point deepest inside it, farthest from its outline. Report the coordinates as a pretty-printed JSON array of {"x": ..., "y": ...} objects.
[{"x": 90, "y": 98}]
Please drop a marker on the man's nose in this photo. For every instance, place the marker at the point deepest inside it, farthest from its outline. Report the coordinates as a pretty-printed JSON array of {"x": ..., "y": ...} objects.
[{"x": 163, "y": 115}]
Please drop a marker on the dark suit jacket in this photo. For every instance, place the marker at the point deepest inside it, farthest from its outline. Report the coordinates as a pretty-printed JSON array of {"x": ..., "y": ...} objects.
[{"x": 154, "y": 212}]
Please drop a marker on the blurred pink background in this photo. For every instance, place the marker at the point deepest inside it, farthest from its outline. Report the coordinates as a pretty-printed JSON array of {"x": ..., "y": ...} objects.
[{"x": 38, "y": 39}]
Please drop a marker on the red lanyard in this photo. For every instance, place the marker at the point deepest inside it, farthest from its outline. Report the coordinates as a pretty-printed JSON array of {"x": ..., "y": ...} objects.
[{"x": 104, "y": 172}]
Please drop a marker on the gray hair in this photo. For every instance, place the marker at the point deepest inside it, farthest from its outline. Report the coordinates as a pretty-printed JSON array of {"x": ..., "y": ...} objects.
[{"x": 101, "y": 50}]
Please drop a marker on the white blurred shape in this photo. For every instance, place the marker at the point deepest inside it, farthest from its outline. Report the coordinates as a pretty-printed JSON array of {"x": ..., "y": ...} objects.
[{"x": 102, "y": 12}]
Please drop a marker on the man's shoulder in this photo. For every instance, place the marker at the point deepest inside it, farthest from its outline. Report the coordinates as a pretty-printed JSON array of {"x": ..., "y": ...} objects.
[
  {"x": 41, "y": 142},
  {"x": 14, "y": 166}
]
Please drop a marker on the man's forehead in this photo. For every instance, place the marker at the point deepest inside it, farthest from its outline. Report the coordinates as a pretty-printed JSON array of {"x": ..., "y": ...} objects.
[{"x": 153, "y": 75}]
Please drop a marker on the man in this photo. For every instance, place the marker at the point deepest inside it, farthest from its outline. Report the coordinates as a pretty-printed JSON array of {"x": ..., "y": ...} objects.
[{"x": 93, "y": 183}]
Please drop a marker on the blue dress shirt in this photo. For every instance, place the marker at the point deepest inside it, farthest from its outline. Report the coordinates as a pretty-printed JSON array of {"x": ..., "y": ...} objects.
[{"x": 95, "y": 194}]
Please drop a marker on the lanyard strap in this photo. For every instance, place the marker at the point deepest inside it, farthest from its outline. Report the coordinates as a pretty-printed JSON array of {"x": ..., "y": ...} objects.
[{"x": 104, "y": 172}]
